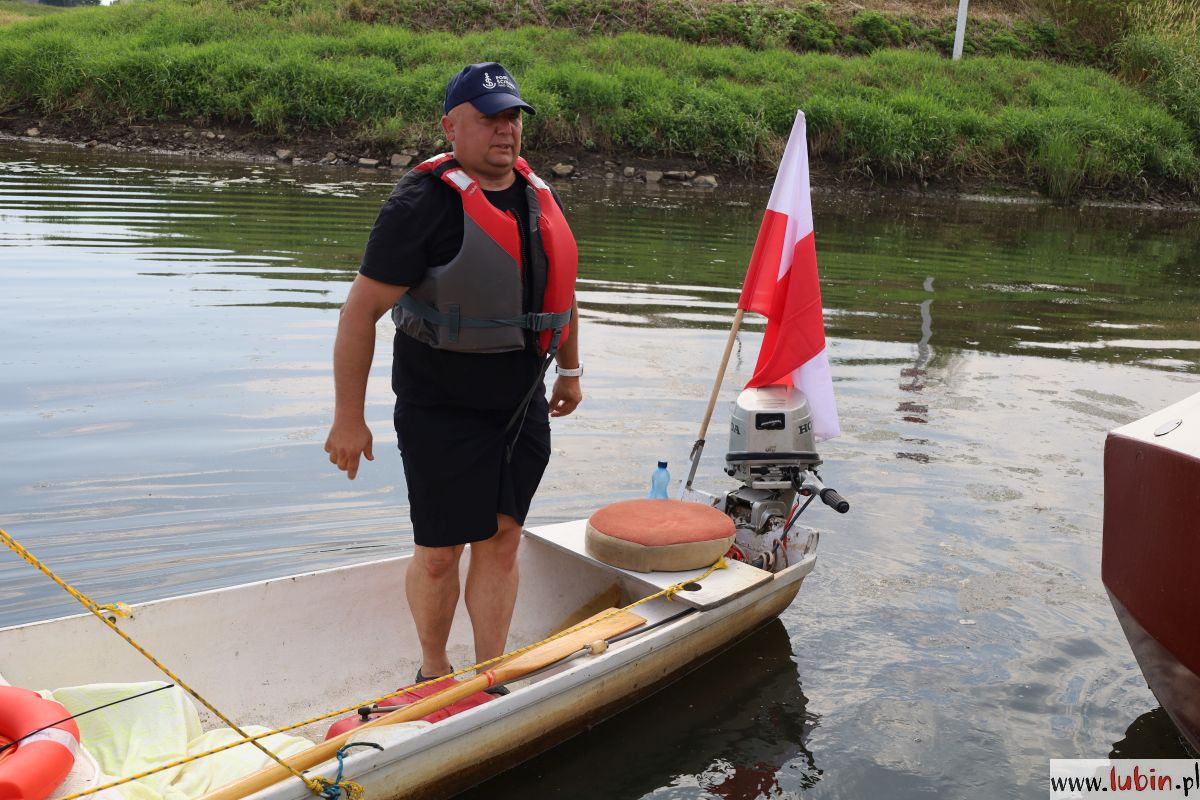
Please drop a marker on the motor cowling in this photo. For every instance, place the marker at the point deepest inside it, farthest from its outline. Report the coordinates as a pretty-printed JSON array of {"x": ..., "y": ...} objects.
[
  {"x": 772, "y": 453},
  {"x": 770, "y": 437}
]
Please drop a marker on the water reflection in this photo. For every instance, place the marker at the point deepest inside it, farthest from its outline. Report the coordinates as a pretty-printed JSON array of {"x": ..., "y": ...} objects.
[
  {"x": 1011, "y": 279},
  {"x": 1152, "y": 735},
  {"x": 747, "y": 706},
  {"x": 913, "y": 411}
]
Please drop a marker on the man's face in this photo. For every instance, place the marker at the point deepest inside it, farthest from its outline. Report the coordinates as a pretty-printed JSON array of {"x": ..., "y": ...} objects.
[{"x": 487, "y": 145}]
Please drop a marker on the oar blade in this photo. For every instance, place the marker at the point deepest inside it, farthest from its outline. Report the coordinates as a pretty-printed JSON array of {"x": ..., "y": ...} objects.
[{"x": 604, "y": 625}]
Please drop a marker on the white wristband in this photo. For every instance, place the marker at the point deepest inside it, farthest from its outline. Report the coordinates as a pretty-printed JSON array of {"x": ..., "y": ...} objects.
[{"x": 572, "y": 372}]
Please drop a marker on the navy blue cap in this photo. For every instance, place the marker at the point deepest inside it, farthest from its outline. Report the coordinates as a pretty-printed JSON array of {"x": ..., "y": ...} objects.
[{"x": 487, "y": 86}]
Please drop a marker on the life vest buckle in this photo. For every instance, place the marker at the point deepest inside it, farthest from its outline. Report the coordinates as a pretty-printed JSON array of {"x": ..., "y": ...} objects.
[{"x": 545, "y": 320}]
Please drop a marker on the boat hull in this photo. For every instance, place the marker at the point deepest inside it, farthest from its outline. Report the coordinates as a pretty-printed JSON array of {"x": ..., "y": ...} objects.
[
  {"x": 260, "y": 653},
  {"x": 1175, "y": 686},
  {"x": 534, "y": 728},
  {"x": 1151, "y": 547}
]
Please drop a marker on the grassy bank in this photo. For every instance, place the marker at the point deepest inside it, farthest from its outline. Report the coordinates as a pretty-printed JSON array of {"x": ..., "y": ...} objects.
[
  {"x": 16, "y": 11},
  {"x": 307, "y": 68},
  {"x": 806, "y": 26}
]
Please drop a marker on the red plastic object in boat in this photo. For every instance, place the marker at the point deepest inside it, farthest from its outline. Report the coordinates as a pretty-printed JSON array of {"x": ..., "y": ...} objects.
[{"x": 411, "y": 696}]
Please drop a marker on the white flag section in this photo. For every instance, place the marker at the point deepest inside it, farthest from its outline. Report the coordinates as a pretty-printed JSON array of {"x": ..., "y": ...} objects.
[{"x": 782, "y": 285}]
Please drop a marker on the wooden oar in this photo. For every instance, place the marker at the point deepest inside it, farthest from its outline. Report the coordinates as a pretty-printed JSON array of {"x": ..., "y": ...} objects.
[
  {"x": 538, "y": 658},
  {"x": 698, "y": 446}
]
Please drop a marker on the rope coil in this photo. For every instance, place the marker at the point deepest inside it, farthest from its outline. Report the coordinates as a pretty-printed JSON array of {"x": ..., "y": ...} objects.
[
  {"x": 337, "y": 787},
  {"x": 318, "y": 786}
]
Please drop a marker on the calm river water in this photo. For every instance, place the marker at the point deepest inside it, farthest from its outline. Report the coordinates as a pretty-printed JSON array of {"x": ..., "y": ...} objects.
[{"x": 165, "y": 334}]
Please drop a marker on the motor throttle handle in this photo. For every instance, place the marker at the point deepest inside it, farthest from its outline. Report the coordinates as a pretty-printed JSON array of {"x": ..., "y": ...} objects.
[{"x": 835, "y": 501}]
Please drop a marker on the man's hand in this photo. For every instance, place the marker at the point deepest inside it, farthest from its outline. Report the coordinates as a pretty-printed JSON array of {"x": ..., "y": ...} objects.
[
  {"x": 565, "y": 396},
  {"x": 346, "y": 444}
]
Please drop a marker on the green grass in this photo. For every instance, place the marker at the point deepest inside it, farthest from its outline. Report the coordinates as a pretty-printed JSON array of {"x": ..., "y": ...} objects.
[
  {"x": 1153, "y": 45},
  {"x": 887, "y": 114},
  {"x": 16, "y": 11},
  {"x": 803, "y": 26},
  {"x": 1161, "y": 54}
]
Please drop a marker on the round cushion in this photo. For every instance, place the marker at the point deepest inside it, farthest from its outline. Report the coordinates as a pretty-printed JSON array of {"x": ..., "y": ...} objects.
[{"x": 658, "y": 535}]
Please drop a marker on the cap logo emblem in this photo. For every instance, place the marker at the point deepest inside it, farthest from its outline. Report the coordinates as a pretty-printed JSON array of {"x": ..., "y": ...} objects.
[{"x": 501, "y": 81}]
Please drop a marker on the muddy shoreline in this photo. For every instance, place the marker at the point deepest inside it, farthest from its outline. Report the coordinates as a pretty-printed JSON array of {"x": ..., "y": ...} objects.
[{"x": 214, "y": 143}]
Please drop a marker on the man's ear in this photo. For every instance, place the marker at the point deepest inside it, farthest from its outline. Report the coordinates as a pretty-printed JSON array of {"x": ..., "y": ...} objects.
[{"x": 448, "y": 127}]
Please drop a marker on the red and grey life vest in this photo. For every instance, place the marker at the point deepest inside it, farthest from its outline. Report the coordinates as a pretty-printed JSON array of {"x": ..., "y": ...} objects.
[{"x": 475, "y": 303}]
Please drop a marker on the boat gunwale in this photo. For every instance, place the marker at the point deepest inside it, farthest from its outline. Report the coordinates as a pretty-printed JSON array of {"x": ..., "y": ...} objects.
[{"x": 147, "y": 605}]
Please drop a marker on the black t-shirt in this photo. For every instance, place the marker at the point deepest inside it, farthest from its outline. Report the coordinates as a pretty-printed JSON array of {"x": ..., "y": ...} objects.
[{"x": 421, "y": 226}]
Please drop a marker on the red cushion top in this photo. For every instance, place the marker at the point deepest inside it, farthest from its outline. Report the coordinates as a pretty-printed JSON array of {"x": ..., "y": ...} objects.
[{"x": 655, "y": 523}]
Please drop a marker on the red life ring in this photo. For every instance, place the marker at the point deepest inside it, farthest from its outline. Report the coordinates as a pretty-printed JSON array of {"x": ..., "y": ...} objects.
[{"x": 35, "y": 766}]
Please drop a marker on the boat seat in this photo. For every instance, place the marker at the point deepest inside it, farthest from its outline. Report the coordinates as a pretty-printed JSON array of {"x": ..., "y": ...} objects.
[
  {"x": 658, "y": 535},
  {"x": 719, "y": 588}
]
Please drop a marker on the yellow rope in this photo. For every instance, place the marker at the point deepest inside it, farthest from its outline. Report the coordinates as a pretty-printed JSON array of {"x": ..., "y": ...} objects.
[
  {"x": 316, "y": 785},
  {"x": 120, "y": 609},
  {"x": 676, "y": 588}
]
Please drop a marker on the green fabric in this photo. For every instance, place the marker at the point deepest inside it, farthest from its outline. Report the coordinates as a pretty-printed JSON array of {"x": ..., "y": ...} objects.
[{"x": 150, "y": 731}]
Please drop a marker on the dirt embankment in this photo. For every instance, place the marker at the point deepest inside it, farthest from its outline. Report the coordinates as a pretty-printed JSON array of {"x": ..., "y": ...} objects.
[
  {"x": 246, "y": 144},
  {"x": 199, "y": 141}
]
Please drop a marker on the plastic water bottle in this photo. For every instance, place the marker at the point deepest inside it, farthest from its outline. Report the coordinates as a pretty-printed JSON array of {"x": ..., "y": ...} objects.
[{"x": 659, "y": 481}]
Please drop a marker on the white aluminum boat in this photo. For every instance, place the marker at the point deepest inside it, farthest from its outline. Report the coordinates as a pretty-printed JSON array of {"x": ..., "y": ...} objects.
[{"x": 284, "y": 650}]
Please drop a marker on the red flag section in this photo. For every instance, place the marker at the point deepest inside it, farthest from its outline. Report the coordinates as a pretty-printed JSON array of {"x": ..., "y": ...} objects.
[
  {"x": 795, "y": 325},
  {"x": 763, "y": 273}
]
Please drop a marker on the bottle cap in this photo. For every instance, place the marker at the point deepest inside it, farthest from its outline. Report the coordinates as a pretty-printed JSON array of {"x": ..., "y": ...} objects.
[{"x": 662, "y": 464}]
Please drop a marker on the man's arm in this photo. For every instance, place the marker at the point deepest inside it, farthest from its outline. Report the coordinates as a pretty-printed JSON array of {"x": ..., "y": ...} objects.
[
  {"x": 353, "y": 351},
  {"x": 566, "y": 394}
]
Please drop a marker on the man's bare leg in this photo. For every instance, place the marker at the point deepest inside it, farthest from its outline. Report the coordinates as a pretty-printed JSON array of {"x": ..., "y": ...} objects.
[
  {"x": 431, "y": 586},
  {"x": 492, "y": 587}
]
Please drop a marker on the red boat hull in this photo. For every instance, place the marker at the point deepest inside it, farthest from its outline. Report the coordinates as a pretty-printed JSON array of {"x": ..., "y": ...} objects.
[{"x": 1151, "y": 561}]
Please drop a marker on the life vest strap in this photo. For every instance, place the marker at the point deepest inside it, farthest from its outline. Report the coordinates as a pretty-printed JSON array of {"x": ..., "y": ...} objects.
[
  {"x": 519, "y": 414},
  {"x": 453, "y": 321}
]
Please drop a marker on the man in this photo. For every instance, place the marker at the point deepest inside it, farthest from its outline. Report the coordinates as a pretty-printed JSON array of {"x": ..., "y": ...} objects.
[{"x": 483, "y": 295}]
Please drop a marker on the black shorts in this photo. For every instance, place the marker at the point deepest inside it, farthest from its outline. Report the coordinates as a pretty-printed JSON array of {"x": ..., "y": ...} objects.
[{"x": 458, "y": 475}]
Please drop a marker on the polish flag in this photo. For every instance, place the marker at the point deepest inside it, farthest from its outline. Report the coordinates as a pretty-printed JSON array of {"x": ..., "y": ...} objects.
[{"x": 781, "y": 284}]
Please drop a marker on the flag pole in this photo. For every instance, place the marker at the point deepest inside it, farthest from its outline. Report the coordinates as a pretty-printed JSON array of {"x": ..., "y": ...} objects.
[{"x": 698, "y": 447}]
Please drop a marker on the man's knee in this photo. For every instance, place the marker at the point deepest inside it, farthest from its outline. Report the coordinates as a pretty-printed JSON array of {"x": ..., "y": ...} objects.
[
  {"x": 508, "y": 528},
  {"x": 501, "y": 548},
  {"x": 437, "y": 562}
]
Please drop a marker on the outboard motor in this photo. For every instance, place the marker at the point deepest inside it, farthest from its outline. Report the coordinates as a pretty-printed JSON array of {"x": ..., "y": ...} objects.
[{"x": 772, "y": 453}]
